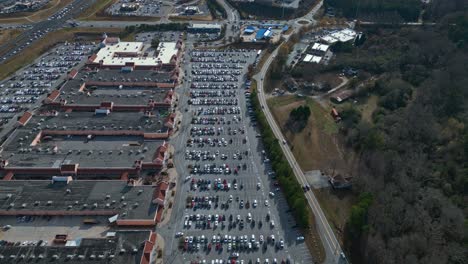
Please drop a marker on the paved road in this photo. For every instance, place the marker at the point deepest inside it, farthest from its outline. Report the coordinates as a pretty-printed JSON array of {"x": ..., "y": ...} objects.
[{"x": 330, "y": 243}]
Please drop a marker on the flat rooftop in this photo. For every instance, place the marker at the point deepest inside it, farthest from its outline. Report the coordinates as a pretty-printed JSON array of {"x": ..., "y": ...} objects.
[
  {"x": 114, "y": 121},
  {"x": 119, "y": 96},
  {"x": 98, "y": 152},
  {"x": 85, "y": 250},
  {"x": 77, "y": 197},
  {"x": 130, "y": 76},
  {"x": 121, "y": 53},
  {"x": 123, "y": 88}
]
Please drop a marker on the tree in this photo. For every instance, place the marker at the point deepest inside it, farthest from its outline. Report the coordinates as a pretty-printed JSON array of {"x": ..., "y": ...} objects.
[
  {"x": 155, "y": 43},
  {"x": 298, "y": 118}
]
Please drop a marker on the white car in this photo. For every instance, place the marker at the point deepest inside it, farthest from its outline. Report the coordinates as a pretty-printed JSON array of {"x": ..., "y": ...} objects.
[
  {"x": 266, "y": 203},
  {"x": 179, "y": 234}
]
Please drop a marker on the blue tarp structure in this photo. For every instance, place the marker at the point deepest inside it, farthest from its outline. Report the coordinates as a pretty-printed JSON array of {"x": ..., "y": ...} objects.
[
  {"x": 249, "y": 30},
  {"x": 285, "y": 28},
  {"x": 260, "y": 33}
]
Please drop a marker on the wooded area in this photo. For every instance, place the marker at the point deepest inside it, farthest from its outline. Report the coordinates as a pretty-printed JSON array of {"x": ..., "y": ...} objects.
[
  {"x": 387, "y": 10},
  {"x": 414, "y": 154},
  {"x": 298, "y": 118}
]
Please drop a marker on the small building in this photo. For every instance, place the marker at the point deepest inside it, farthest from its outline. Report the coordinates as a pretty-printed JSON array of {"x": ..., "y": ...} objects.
[
  {"x": 249, "y": 30},
  {"x": 334, "y": 113},
  {"x": 191, "y": 10},
  {"x": 319, "y": 48},
  {"x": 291, "y": 84},
  {"x": 263, "y": 34},
  {"x": 341, "y": 96},
  {"x": 312, "y": 58},
  {"x": 340, "y": 182}
]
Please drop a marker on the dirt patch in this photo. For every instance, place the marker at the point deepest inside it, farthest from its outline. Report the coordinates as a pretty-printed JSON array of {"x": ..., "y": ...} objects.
[
  {"x": 8, "y": 34},
  {"x": 316, "y": 146},
  {"x": 368, "y": 108}
]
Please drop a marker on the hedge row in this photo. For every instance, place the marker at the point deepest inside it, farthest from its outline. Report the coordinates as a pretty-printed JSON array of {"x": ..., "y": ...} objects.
[
  {"x": 156, "y": 27},
  {"x": 291, "y": 188}
]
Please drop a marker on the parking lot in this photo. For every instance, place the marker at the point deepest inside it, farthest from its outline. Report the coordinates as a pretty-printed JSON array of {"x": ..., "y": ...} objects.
[
  {"x": 148, "y": 8},
  {"x": 229, "y": 208},
  {"x": 25, "y": 88}
]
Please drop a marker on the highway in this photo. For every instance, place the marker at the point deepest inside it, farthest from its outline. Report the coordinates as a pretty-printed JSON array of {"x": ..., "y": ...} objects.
[
  {"x": 8, "y": 49},
  {"x": 330, "y": 243}
]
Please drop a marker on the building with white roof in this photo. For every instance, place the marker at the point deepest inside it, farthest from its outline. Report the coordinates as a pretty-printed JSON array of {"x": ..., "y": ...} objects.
[
  {"x": 167, "y": 51},
  {"x": 320, "y": 47},
  {"x": 117, "y": 54},
  {"x": 312, "y": 58},
  {"x": 329, "y": 39},
  {"x": 343, "y": 35}
]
